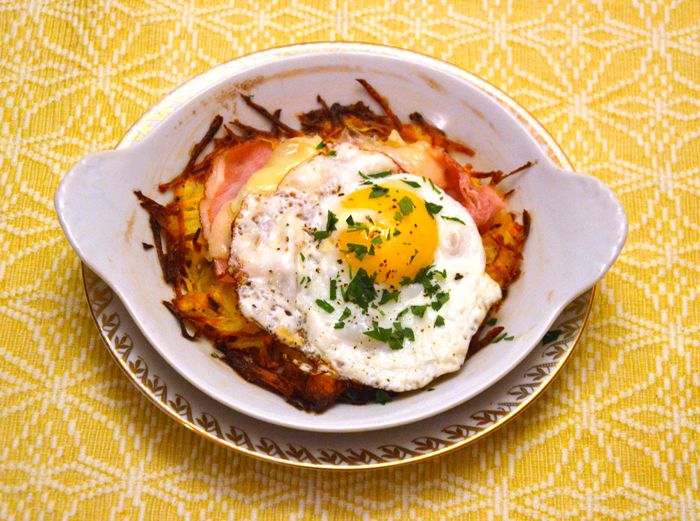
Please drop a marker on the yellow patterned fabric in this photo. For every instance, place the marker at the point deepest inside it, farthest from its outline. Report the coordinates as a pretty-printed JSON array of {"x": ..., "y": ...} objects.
[{"x": 617, "y": 436}]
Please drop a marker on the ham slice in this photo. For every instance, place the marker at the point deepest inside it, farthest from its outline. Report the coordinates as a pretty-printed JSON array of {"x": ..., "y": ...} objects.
[
  {"x": 229, "y": 173},
  {"x": 482, "y": 202}
]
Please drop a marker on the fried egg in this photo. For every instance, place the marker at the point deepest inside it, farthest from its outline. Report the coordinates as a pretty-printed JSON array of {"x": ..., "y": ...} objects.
[{"x": 373, "y": 272}]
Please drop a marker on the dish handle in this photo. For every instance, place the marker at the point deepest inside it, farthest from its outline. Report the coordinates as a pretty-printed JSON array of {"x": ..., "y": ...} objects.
[
  {"x": 91, "y": 202},
  {"x": 584, "y": 220}
]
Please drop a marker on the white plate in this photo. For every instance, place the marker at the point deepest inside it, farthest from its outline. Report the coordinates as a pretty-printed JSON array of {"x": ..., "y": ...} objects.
[{"x": 578, "y": 229}]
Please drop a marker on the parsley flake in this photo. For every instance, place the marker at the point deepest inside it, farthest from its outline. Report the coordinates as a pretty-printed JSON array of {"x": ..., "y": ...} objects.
[
  {"x": 360, "y": 250},
  {"x": 331, "y": 222},
  {"x": 442, "y": 298},
  {"x": 411, "y": 183},
  {"x": 419, "y": 311},
  {"x": 321, "y": 146},
  {"x": 551, "y": 336},
  {"x": 406, "y": 205},
  {"x": 325, "y": 306},
  {"x": 432, "y": 209},
  {"x": 388, "y": 296},
  {"x": 351, "y": 394},
  {"x": 381, "y": 397},
  {"x": 378, "y": 191},
  {"x": 453, "y": 219},
  {"x": 341, "y": 324},
  {"x": 361, "y": 289},
  {"x": 379, "y": 175},
  {"x": 432, "y": 185},
  {"x": 439, "y": 321}
]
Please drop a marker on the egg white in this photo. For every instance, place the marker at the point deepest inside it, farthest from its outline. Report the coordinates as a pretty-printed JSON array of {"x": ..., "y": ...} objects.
[{"x": 283, "y": 271}]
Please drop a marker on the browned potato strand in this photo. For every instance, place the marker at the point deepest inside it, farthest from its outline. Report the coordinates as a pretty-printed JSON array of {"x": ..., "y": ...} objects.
[{"x": 205, "y": 305}]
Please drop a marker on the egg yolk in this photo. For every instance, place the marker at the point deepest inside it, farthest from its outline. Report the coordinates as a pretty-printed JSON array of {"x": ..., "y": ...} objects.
[{"x": 392, "y": 234}]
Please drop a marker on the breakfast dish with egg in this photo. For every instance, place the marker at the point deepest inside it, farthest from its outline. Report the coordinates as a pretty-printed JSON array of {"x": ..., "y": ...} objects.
[{"x": 350, "y": 260}]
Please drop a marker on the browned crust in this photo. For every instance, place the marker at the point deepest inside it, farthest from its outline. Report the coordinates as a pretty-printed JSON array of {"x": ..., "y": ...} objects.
[{"x": 197, "y": 149}]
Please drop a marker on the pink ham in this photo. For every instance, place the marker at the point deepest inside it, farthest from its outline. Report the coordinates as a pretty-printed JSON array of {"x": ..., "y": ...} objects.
[
  {"x": 434, "y": 163},
  {"x": 482, "y": 202},
  {"x": 230, "y": 171}
]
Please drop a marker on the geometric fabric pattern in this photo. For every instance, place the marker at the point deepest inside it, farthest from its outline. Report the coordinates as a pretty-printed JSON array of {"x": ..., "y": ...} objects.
[{"x": 616, "y": 436}]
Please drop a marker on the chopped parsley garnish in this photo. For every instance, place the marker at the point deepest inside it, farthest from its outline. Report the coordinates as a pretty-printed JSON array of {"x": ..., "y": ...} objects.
[
  {"x": 433, "y": 186},
  {"x": 378, "y": 175},
  {"x": 350, "y": 220},
  {"x": 406, "y": 205},
  {"x": 439, "y": 321},
  {"x": 345, "y": 315},
  {"x": 332, "y": 153},
  {"x": 492, "y": 321},
  {"x": 504, "y": 337},
  {"x": 402, "y": 313},
  {"x": 393, "y": 337},
  {"x": 407, "y": 332},
  {"x": 325, "y": 306},
  {"x": 360, "y": 250},
  {"x": 302, "y": 256},
  {"x": 381, "y": 397},
  {"x": 411, "y": 183},
  {"x": 341, "y": 324},
  {"x": 357, "y": 227},
  {"x": 361, "y": 289},
  {"x": 425, "y": 278},
  {"x": 398, "y": 216},
  {"x": 319, "y": 235},
  {"x": 378, "y": 191},
  {"x": 441, "y": 297},
  {"x": 419, "y": 311},
  {"x": 432, "y": 209},
  {"x": 379, "y": 333},
  {"x": 453, "y": 219},
  {"x": 377, "y": 240},
  {"x": 388, "y": 296},
  {"x": 321, "y": 146},
  {"x": 352, "y": 396},
  {"x": 333, "y": 291},
  {"x": 551, "y": 336},
  {"x": 332, "y": 221}
]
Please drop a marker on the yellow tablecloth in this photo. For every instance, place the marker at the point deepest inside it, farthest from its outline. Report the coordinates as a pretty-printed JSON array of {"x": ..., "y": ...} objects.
[{"x": 616, "y": 436}]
